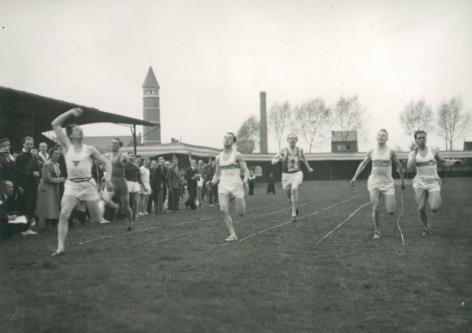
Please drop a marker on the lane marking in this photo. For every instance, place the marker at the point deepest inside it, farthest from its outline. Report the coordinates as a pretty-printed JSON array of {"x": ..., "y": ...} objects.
[
  {"x": 340, "y": 224},
  {"x": 298, "y": 219},
  {"x": 398, "y": 218}
]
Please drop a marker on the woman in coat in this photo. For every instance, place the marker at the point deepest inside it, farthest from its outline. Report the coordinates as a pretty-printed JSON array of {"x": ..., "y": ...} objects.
[{"x": 48, "y": 205}]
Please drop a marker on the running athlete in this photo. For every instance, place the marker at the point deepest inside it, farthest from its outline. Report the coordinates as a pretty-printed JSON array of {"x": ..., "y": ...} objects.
[
  {"x": 426, "y": 183},
  {"x": 292, "y": 175},
  {"x": 118, "y": 161},
  {"x": 79, "y": 185},
  {"x": 380, "y": 183},
  {"x": 229, "y": 165}
]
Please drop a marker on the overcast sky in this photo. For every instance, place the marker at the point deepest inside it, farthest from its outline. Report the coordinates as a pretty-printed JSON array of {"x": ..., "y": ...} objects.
[{"x": 213, "y": 57}]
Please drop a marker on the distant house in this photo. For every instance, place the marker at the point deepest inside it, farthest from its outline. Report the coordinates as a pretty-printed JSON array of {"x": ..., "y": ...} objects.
[
  {"x": 344, "y": 142},
  {"x": 467, "y": 145}
]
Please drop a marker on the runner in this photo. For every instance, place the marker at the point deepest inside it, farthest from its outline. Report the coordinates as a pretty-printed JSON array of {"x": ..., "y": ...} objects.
[
  {"x": 427, "y": 184},
  {"x": 380, "y": 183},
  {"x": 79, "y": 185},
  {"x": 292, "y": 175},
  {"x": 118, "y": 161},
  {"x": 229, "y": 165}
]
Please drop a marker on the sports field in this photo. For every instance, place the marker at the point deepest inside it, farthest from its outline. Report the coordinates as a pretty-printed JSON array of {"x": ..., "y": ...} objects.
[{"x": 176, "y": 274}]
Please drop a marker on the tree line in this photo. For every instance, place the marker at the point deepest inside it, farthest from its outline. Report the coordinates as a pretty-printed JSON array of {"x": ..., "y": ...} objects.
[{"x": 313, "y": 120}]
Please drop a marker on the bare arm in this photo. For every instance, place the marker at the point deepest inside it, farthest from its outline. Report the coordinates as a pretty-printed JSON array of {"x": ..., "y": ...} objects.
[
  {"x": 302, "y": 155},
  {"x": 57, "y": 126},
  {"x": 411, "y": 160},
  {"x": 399, "y": 168},
  {"x": 216, "y": 176},
  {"x": 99, "y": 157},
  {"x": 361, "y": 167},
  {"x": 278, "y": 157},
  {"x": 446, "y": 162},
  {"x": 243, "y": 166}
]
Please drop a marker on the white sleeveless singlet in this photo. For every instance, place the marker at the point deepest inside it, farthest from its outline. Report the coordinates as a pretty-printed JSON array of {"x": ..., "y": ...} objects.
[
  {"x": 230, "y": 169},
  {"x": 79, "y": 164},
  {"x": 381, "y": 175},
  {"x": 427, "y": 176}
]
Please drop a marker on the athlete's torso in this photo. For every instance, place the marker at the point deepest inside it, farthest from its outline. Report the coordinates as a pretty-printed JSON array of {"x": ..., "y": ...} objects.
[
  {"x": 426, "y": 165},
  {"x": 229, "y": 166},
  {"x": 117, "y": 167},
  {"x": 79, "y": 163},
  {"x": 381, "y": 163},
  {"x": 291, "y": 161}
]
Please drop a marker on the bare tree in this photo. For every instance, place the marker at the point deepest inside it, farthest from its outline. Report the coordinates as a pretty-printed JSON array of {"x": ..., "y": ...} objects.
[
  {"x": 416, "y": 115},
  {"x": 347, "y": 115},
  {"x": 248, "y": 135},
  {"x": 279, "y": 120},
  {"x": 453, "y": 120},
  {"x": 311, "y": 118}
]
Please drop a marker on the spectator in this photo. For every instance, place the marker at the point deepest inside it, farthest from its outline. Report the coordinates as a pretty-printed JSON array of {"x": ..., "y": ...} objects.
[
  {"x": 133, "y": 180},
  {"x": 159, "y": 184},
  {"x": 8, "y": 170},
  {"x": 212, "y": 189},
  {"x": 146, "y": 188},
  {"x": 6, "y": 213},
  {"x": 200, "y": 181},
  {"x": 49, "y": 200},
  {"x": 191, "y": 176},
  {"x": 251, "y": 182},
  {"x": 270, "y": 184},
  {"x": 152, "y": 201},
  {"x": 173, "y": 185},
  {"x": 28, "y": 176}
]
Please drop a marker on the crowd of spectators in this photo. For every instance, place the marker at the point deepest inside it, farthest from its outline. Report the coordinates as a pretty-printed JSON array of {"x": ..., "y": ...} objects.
[{"x": 32, "y": 184}]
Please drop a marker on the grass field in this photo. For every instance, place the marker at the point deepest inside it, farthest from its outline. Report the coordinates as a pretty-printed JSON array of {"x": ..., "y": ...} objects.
[{"x": 176, "y": 274}]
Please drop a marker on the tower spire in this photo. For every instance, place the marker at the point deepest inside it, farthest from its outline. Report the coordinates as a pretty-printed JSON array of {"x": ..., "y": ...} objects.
[{"x": 151, "y": 108}]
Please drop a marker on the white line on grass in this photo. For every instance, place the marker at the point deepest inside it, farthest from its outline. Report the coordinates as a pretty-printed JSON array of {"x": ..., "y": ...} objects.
[
  {"x": 178, "y": 224},
  {"x": 139, "y": 230},
  {"x": 340, "y": 224},
  {"x": 290, "y": 221},
  {"x": 399, "y": 216}
]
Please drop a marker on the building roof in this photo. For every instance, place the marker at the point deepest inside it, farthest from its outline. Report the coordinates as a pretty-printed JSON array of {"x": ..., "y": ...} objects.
[
  {"x": 102, "y": 143},
  {"x": 26, "y": 114},
  {"x": 202, "y": 151},
  {"x": 150, "y": 81},
  {"x": 44, "y": 109},
  {"x": 339, "y": 136}
]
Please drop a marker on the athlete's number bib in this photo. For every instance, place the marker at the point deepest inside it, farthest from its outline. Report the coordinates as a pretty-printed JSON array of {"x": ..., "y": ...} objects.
[{"x": 293, "y": 163}]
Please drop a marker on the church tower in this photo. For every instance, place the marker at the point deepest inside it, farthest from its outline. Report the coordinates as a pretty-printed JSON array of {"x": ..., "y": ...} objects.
[{"x": 151, "y": 109}]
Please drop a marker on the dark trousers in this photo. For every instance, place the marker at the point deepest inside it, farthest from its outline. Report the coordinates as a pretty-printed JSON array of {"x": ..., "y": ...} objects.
[
  {"x": 251, "y": 187},
  {"x": 157, "y": 198},
  {"x": 174, "y": 198},
  {"x": 213, "y": 195},
  {"x": 192, "y": 194},
  {"x": 270, "y": 188},
  {"x": 27, "y": 200}
]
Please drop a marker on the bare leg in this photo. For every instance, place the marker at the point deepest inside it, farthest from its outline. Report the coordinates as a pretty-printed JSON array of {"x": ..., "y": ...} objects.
[
  {"x": 68, "y": 204},
  {"x": 375, "y": 201},
  {"x": 124, "y": 203},
  {"x": 294, "y": 200},
  {"x": 240, "y": 204},
  {"x": 421, "y": 199},
  {"x": 94, "y": 211},
  {"x": 434, "y": 201},
  {"x": 224, "y": 211},
  {"x": 390, "y": 203}
]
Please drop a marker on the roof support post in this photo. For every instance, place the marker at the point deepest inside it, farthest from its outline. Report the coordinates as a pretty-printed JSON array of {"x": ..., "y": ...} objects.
[{"x": 133, "y": 132}]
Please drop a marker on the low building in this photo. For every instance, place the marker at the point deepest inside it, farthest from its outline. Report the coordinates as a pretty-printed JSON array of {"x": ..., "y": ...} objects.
[{"x": 344, "y": 142}]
